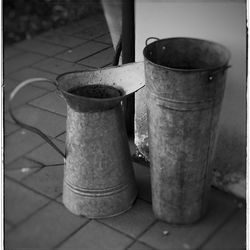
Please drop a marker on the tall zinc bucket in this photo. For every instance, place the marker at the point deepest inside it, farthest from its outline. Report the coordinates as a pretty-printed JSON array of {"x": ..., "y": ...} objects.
[
  {"x": 185, "y": 81},
  {"x": 98, "y": 175}
]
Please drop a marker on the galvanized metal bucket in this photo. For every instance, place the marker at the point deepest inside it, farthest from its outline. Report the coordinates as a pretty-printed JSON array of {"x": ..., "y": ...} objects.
[
  {"x": 185, "y": 81},
  {"x": 98, "y": 175}
]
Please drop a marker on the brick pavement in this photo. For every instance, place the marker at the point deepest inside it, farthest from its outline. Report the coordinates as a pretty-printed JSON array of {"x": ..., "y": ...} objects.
[{"x": 34, "y": 214}]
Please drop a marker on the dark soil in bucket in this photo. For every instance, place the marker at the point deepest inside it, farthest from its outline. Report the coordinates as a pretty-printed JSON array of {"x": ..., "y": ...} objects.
[{"x": 96, "y": 91}]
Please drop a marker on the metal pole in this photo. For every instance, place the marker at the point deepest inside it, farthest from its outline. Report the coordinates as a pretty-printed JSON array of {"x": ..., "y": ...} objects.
[{"x": 128, "y": 55}]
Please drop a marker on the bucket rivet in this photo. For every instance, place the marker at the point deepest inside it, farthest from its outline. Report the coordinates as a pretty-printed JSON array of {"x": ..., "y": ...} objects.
[
  {"x": 164, "y": 47},
  {"x": 210, "y": 78}
]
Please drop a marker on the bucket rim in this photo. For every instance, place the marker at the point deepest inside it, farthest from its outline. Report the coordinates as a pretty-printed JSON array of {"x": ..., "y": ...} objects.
[
  {"x": 217, "y": 68},
  {"x": 97, "y": 100}
]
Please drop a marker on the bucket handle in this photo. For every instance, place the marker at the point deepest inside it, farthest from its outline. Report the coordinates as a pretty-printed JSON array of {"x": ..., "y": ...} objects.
[
  {"x": 151, "y": 38},
  {"x": 213, "y": 73},
  {"x": 24, "y": 125}
]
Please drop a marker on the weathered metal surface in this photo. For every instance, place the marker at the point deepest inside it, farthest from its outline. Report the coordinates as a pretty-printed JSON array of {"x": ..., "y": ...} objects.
[
  {"x": 185, "y": 81},
  {"x": 98, "y": 175},
  {"x": 129, "y": 77}
]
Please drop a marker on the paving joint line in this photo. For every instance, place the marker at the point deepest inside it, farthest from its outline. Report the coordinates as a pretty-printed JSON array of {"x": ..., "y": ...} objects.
[
  {"x": 30, "y": 100},
  {"x": 105, "y": 43},
  {"x": 52, "y": 72},
  {"x": 143, "y": 232},
  {"x": 94, "y": 54},
  {"x": 44, "y": 109},
  {"x": 54, "y": 43},
  {"x": 23, "y": 67},
  {"x": 29, "y": 67},
  {"x": 106, "y": 33},
  {"x": 13, "y": 56},
  {"x": 60, "y": 135},
  {"x": 209, "y": 237},
  {"x": 25, "y": 154},
  {"x": 12, "y": 132},
  {"x": 115, "y": 229},
  {"x": 77, "y": 61},
  {"x": 143, "y": 243},
  {"x": 46, "y": 56},
  {"x": 74, "y": 232},
  {"x": 15, "y": 159},
  {"x": 79, "y": 45},
  {"x": 21, "y": 222},
  {"x": 77, "y": 35},
  {"x": 41, "y": 54},
  {"x": 30, "y": 188}
]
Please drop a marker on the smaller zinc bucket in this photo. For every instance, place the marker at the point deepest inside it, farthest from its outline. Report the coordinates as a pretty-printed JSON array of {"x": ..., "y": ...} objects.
[{"x": 185, "y": 81}]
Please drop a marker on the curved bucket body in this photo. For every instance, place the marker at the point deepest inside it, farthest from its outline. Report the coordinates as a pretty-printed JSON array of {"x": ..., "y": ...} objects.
[
  {"x": 98, "y": 175},
  {"x": 185, "y": 81}
]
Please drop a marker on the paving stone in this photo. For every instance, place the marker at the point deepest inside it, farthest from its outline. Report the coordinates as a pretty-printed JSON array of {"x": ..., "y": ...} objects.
[
  {"x": 134, "y": 221},
  {"x": 191, "y": 236},
  {"x": 104, "y": 39},
  {"x": 47, "y": 155},
  {"x": 18, "y": 143},
  {"x": 96, "y": 236},
  {"x": 25, "y": 95},
  {"x": 83, "y": 51},
  {"x": 51, "y": 124},
  {"x": 10, "y": 51},
  {"x": 232, "y": 236},
  {"x": 142, "y": 174},
  {"x": 40, "y": 47},
  {"x": 45, "y": 229},
  {"x": 48, "y": 181},
  {"x": 9, "y": 128},
  {"x": 20, "y": 202},
  {"x": 29, "y": 72},
  {"x": 100, "y": 59},
  {"x": 92, "y": 32},
  {"x": 58, "y": 66},
  {"x": 139, "y": 246},
  {"x": 61, "y": 39},
  {"x": 20, "y": 61},
  {"x": 21, "y": 168},
  {"x": 51, "y": 102}
]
